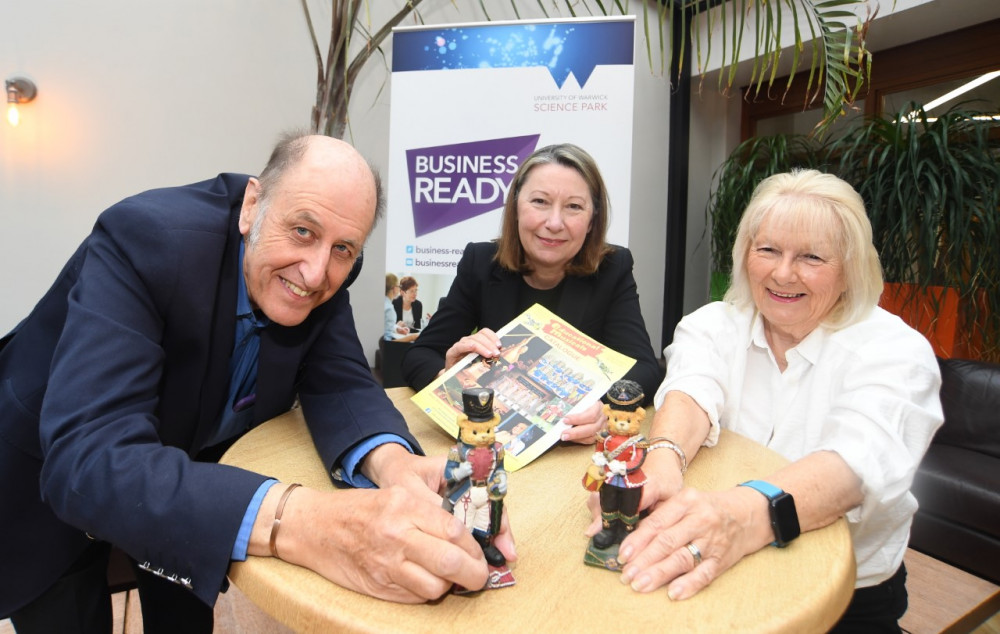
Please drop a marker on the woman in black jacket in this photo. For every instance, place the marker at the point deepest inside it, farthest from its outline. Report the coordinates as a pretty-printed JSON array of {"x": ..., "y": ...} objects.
[
  {"x": 409, "y": 310},
  {"x": 551, "y": 251}
]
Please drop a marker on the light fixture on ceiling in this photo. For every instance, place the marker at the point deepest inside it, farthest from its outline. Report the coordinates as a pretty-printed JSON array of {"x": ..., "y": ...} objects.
[
  {"x": 19, "y": 91},
  {"x": 961, "y": 90}
]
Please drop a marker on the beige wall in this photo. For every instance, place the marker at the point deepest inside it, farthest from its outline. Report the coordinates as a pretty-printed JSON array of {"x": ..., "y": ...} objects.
[{"x": 133, "y": 95}]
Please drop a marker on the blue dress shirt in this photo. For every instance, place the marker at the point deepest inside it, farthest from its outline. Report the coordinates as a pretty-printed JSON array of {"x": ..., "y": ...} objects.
[{"x": 237, "y": 416}]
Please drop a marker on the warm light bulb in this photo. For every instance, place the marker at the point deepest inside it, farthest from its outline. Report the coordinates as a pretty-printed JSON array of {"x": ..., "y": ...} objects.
[
  {"x": 13, "y": 115},
  {"x": 19, "y": 90}
]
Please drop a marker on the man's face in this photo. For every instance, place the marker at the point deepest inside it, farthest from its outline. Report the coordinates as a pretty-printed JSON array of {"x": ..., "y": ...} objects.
[{"x": 314, "y": 226}]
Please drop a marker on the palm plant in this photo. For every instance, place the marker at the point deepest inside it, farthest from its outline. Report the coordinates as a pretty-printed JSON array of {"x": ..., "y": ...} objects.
[
  {"x": 839, "y": 62},
  {"x": 337, "y": 72},
  {"x": 930, "y": 187}
]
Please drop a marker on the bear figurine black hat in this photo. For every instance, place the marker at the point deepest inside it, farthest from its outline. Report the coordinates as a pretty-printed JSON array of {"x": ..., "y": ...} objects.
[
  {"x": 624, "y": 395},
  {"x": 477, "y": 404}
]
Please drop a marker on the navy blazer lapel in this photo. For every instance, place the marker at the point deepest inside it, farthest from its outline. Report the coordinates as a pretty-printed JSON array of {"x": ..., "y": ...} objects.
[{"x": 220, "y": 343}]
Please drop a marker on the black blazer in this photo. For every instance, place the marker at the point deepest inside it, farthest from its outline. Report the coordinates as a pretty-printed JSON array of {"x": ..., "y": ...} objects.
[
  {"x": 604, "y": 305},
  {"x": 112, "y": 384},
  {"x": 417, "y": 309}
]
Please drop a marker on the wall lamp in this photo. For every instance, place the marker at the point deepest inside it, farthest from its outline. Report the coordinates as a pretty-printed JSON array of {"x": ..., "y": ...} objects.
[{"x": 19, "y": 90}]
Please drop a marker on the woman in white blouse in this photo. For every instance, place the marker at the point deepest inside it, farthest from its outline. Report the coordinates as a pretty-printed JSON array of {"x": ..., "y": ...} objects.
[{"x": 799, "y": 358}]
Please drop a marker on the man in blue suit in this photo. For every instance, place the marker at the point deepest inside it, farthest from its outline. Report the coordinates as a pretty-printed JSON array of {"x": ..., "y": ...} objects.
[{"x": 189, "y": 315}]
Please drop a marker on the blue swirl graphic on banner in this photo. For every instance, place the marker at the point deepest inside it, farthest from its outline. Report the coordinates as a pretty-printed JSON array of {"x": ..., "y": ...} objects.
[{"x": 562, "y": 47}]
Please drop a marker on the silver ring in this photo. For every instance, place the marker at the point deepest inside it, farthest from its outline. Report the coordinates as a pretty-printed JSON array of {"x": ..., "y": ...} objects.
[{"x": 694, "y": 553}]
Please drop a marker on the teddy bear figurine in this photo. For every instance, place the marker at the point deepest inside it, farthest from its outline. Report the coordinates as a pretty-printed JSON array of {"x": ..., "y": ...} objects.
[
  {"x": 616, "y": 473},
  {"x": 476, "y": 479}
]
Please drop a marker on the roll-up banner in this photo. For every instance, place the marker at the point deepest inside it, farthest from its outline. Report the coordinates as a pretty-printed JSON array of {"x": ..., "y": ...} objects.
[{"x": 469, "y": 102}]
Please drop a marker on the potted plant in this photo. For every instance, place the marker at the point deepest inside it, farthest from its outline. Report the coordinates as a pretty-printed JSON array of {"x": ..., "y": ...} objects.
[{"x": 931, "y": 187}]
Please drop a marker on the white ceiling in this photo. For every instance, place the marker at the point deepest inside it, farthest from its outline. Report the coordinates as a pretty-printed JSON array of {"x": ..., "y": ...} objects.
[{"x": 929, "y": 19}]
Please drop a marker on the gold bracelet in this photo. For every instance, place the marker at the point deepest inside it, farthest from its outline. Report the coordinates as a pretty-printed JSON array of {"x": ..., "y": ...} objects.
[
  {"x": 666, "y": 443},
  {"x": 277, "y": 518}
]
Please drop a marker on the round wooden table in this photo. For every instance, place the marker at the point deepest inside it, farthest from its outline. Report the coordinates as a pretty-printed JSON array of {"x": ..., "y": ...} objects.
[{"x": 802, "y": 588}]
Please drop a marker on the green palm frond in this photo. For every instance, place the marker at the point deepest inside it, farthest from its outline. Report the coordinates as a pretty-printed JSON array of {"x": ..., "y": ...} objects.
[
  {"x": 751, "y": 162},
  {"x": 828, "y": 34}
]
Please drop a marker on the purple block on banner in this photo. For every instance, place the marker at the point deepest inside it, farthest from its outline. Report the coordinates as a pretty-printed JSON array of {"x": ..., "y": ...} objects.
[{"x": 453, "y": 183}]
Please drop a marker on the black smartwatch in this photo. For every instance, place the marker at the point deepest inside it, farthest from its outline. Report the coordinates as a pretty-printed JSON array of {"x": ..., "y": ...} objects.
[{"x": 784, "y": 518}]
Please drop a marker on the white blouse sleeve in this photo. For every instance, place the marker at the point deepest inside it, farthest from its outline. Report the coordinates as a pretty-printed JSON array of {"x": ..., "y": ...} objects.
[
  {"x": 884, "y": 414},
  {"x": 700, "y": 360}
]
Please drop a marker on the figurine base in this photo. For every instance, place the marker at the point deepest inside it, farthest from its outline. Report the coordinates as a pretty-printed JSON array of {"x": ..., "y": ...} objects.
[
  {"x": 602, "y": 557},
  {"x": 499, "y": 577}
]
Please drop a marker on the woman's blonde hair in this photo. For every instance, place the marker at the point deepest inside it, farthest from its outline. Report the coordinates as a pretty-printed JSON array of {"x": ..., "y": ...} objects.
[
  {"x": 822, "y": 205},
  {"x": 510, "y": 251}
]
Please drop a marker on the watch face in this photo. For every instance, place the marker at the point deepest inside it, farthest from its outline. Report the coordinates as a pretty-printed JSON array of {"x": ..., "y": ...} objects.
[{"x": 784, "y": 519}]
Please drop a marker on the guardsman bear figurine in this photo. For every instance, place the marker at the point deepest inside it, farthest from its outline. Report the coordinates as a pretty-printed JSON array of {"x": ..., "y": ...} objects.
[
  {"x": 476, "y": 480},
  {"x": 616, "y": 472}
]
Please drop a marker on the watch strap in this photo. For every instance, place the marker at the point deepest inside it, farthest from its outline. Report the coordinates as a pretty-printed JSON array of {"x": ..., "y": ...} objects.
[
  {"x": 781, "y": 507},
  {"x": 766, "y": 488}
]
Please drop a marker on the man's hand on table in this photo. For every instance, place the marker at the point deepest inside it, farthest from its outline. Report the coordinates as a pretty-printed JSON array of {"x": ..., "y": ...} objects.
[
  {"x": 394, "y": 542},
  {"x": 386, "y": 543},
  {"x": 392, "y": 465}
]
